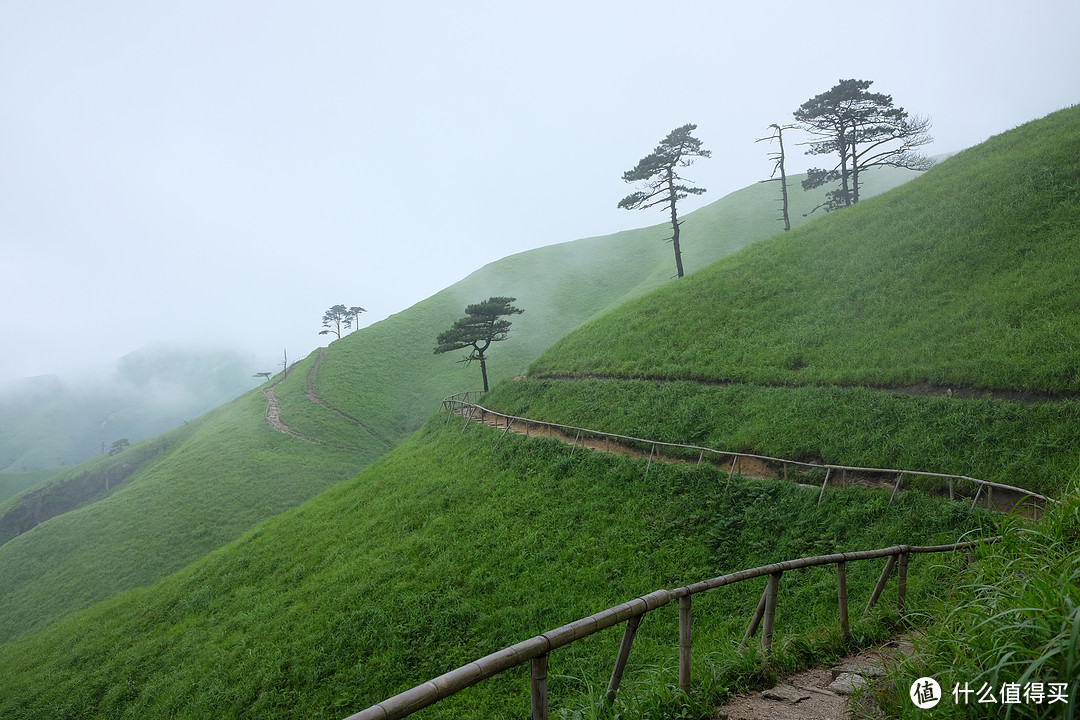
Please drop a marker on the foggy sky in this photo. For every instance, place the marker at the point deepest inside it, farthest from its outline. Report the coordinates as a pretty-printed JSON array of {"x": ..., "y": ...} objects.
[{"x": 223, "y": 172}]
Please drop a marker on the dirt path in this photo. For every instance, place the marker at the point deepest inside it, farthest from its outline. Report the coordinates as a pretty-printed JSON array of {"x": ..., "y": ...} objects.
[
  {"x": 309, "y": 393},
  {"x": 273, "y": 414},
  {"x": 999, "y": 497},
  {"x": 273, "y": 409},
  {"x": 823, "y": 693}
]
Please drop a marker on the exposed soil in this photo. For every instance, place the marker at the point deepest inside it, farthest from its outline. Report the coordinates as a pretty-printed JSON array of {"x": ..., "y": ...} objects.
[
  {"x": 839, "y": 692},
  {"x": 1000, "y": 499}
]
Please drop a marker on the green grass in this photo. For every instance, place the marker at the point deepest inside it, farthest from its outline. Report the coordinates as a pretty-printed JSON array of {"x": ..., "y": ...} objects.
[
  {"x": 1013, "y": 617},
  {"x": 236, "y": 471},
  {"x": 388, "y": 375},
  {"x": 963, "y": 277},
  {"x": 13, "y": 483},
  {"x": 454, "y": 546},
  {"x": 176, "y": 508},
  {"x": 1032, "y": 446}
]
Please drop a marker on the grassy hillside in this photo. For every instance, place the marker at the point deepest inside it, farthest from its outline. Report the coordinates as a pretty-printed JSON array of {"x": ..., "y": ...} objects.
[
  {"x": 192, "y": 490},
  {"x": 449, "y": 548},
  {"x": 388, "y": 375},
  {"x": 933, "y": 328},
  {"x": 384, "y": 378},
  {"x": 456, "y": 544}
]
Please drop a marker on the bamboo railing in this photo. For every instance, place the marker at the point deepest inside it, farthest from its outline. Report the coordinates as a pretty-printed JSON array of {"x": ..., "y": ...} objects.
[
  {"x": 460, "y": 404},
  {"x": 535, "y": 650}
]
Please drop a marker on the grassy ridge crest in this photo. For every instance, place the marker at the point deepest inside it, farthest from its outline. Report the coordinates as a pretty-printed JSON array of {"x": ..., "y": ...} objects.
[{"x": 963, "y": 277}]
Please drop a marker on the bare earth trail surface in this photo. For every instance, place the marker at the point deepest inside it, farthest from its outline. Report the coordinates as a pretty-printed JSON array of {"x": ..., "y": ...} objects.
[
  {"x": 840, "y": 692},
  {"x": 273, "y": 407}
]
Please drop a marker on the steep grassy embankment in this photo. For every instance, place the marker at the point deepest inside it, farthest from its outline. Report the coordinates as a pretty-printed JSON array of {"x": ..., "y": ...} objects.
[
  {"x": 385, "y": 378},
  {"x": 933, "y": 328},
  {"x": 451, "y": 547}
]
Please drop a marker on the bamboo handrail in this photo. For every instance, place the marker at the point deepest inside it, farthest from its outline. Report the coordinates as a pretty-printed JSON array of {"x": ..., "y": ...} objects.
[
  {"x": 532, "y": 650},
  {"x": 453, "y": 403}
]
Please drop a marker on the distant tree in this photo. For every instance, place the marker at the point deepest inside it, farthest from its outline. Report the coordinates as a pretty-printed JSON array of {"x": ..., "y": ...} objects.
[
  {"x": 863, "y": 130},
  {"x": 779, "y": 158},
  {"x": 118, "y": 446},
  {"x": 662, "y": 183},
  {"x": 353, "y": 315},
  {"x": 340, "y": 318},
  {"x": 263, "y": 375},
  {"x": 483, "y": 324}
]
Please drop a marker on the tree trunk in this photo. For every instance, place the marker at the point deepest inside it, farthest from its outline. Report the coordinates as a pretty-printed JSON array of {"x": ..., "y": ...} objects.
[
  {"x": 674, "y": 224},
  {"x": 783, "y": 179},
  {"x": 483, "y": 370}
]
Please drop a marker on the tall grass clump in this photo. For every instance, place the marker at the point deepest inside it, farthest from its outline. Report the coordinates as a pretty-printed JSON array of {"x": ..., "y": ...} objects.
[{"x": 1013, "y": 620}]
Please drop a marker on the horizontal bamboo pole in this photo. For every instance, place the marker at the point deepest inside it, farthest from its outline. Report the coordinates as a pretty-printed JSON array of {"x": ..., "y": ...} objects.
[
  {"x": 408, "y": 702},
  {"x": 423, "y": 695}
]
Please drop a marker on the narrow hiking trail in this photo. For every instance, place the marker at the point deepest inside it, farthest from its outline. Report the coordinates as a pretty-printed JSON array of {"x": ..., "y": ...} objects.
[
  {"x": 849, "y": 689},
  {"x": 994, "y": 495},
  {"x": 273, "y": 408}
]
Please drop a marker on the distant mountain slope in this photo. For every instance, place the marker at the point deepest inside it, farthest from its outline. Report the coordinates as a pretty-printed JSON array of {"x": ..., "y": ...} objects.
[{"x": 50, "y": 421}]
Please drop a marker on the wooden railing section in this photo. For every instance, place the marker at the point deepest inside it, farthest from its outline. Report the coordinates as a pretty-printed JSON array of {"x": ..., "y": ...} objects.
[
  {"x": 461, "y": 404},
  {"x": 535, "y": 650}
]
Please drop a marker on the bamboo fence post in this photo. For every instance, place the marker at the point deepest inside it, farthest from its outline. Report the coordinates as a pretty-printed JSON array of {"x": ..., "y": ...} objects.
[
  {"x": 652, "y": 451},
  {"x": 952, "y": 494},
  {"x": 622, "y": 657},
  {"x": 731, "y": 470},
  {"x": 538, "y": 687},
  {"x": 822, "y": 493},
  {"x": 576, "y": 438},
  {"x": 841, "y": 593},
  {"x": 899, "y": 479},
  {"x": 771, "y": 589},
  {"x": 754, "y": 621},
  {"x": 685, "y": 616},
  {"x": 881, "y": 582},
  {"x": 700, "y": 457},
  {"x": 979, "y": 492},
  {"x": 901, "y": 582}
]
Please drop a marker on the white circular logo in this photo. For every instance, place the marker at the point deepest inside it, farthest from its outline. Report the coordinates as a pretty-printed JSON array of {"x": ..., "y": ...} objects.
[{"x": 925, "y": 693}]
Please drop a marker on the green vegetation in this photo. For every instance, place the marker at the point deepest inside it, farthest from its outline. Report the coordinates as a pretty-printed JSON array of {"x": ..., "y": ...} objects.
[
  {"x": 461, "y": 541},
  {"x": 176, "y": 507},
  {"x": 456, "y": 545},
  {"x": 381, "y": 382},
  {"x": 1014, "y": 617},
  {"x": 52, "y": 422},
  {"x": 14, "y": 483},
  {"x": 387, "y": 376},
  {"x": 1029, "y": 445},
  {"x": 964, "y": 277}
]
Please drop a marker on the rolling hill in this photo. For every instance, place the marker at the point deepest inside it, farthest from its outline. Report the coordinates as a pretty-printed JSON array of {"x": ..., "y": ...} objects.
[
  {"x": 461, "y": 541},
  {"x": 218, "y": 476}
]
